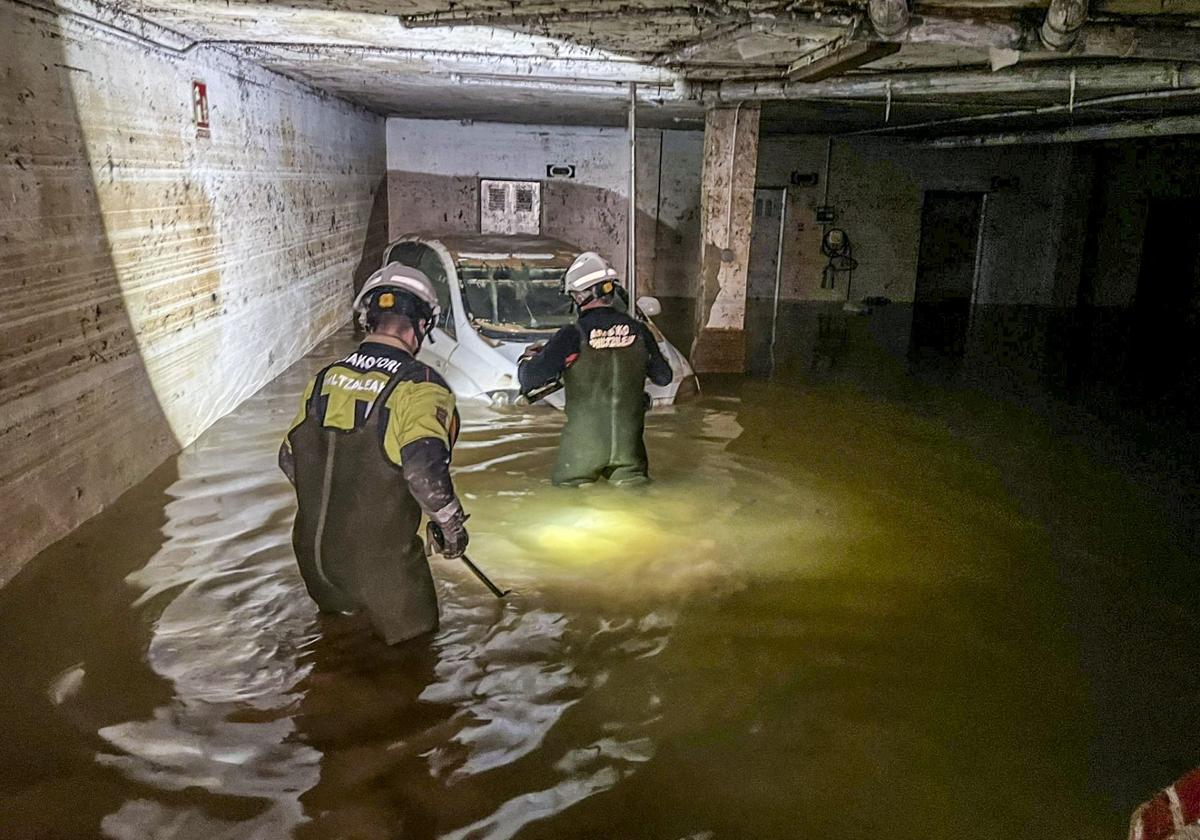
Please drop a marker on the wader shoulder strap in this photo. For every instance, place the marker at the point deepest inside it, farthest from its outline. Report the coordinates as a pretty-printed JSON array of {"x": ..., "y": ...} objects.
[{"x": 315, "y": 397}]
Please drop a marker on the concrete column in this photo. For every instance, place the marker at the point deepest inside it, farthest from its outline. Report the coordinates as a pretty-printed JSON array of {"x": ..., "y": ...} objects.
[{"x": 726, "y": 216}]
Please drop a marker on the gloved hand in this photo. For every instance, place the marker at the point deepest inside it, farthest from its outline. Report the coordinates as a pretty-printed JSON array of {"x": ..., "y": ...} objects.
[
  {"x": 531, "y": 351},
  {"x": 450, "y": 545},
  {"x": 447, "y": 531}
]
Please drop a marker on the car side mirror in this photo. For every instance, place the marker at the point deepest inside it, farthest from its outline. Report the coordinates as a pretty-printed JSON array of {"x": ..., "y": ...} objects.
[{"x": 649, "y": 306}]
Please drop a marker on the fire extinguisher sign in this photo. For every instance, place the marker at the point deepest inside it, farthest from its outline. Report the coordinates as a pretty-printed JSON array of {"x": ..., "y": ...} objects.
[{"x": 200, "y": 108}]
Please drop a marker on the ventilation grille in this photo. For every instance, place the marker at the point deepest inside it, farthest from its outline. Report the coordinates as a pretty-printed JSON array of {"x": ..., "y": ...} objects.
[
  {"x": 510, "y": 206},
  {"x": 497, "y": 199},
  {"x": 524, "y": 199}
]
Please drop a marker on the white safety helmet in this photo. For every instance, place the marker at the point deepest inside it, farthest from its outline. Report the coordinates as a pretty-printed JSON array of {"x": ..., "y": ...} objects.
[
  {"x": 588, "y": 271},
  {"x": 398, "y": 279}
]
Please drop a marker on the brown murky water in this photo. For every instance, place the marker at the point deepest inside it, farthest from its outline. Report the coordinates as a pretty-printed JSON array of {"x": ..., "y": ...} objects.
[{"x": 833, "y": 615}]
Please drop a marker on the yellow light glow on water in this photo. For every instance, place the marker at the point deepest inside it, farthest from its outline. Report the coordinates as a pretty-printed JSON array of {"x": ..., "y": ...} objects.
[{"x": 580, "y": 535}]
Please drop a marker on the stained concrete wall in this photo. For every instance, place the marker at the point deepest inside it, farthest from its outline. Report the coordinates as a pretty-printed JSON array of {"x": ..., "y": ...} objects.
[
  {"x": 678, "y": 244},
  {"x": 1062, "y": 252},
  {"x": 152, "y": 279},
  {"x": 434, "y": 168},
  {"x": 1032, "y": 250},
  {"x": 877, "y": 187},
  {"x": 726, "y": 221}
]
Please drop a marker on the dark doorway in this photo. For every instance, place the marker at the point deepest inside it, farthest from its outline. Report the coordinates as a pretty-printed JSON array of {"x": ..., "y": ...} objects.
[
  {"x": 946, "y": 270},
  {"x": 1166, "y": 316}
]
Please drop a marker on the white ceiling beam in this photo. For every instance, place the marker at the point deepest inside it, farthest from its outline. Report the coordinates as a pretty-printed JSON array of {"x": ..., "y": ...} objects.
[{"x": 402, "y": 60}]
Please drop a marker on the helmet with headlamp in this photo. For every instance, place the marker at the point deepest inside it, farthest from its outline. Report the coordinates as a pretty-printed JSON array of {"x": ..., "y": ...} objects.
[{"x": 398, "y": 289}]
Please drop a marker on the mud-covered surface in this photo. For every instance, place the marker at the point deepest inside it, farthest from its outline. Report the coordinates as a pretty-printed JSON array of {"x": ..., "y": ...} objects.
[
  {"x": 155, "y": 275},
  {"x": 833, "y": 615}
]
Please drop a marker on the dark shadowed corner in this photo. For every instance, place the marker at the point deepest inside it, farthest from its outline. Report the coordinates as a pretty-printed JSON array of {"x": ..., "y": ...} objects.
[{"x": 377, "y": 235}]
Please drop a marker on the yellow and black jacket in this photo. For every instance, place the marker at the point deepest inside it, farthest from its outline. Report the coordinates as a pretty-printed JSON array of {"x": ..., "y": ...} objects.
[
  {"x": 421, "y": 407},
  {"x": 368, "y": 452}
]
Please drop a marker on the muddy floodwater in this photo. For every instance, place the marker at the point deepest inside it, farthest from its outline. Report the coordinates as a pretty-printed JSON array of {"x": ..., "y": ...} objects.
[{"x": 837, "y": 613}]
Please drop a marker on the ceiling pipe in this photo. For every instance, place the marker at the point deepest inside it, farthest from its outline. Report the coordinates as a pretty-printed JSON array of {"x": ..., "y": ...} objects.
[
  {"x": 1062, "y": 23},
  {"x": 587, "y": 69},
  {"x": 1088, "y": 39},
  {"x": 923, "y": 86},
  {"x": 1140, "y": 129},
  {"x": 646, "y": 93},
  {"x": 968, "y": 32},
  {"x": 532, "y": 16},
  {"x": 889, "y": 17},
  {"x": 1070, "y": 107}
]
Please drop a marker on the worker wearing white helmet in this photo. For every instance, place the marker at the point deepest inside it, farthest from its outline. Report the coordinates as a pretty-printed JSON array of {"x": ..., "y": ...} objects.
[
  {"x": 367, "y": 454},
  {"x": 604, "y": 360}
]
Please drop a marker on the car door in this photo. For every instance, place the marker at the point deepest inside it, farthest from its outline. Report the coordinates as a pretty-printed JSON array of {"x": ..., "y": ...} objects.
[{"x": 443, "y": 339}]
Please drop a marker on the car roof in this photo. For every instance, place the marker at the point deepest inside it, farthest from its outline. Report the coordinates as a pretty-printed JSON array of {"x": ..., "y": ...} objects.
[{"x": 501, "y": 249}]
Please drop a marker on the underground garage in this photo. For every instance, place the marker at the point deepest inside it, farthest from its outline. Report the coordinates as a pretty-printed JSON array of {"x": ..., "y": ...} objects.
[{"x": 589, "y": 419}]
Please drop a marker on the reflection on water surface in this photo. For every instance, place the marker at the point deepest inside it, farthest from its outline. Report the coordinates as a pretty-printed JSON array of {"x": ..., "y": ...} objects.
[{"x": 832, "y": 615}]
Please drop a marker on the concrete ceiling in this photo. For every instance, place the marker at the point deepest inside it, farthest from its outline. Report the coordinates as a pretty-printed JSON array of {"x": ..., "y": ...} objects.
[{"x": 570, "y": 61}]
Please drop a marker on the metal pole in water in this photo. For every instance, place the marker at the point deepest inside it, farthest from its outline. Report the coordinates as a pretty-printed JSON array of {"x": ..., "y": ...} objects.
[
  {"x": 478, "y": 572},
  {"x": 778, "y": 273},
  {"x": 631, "y": 250},
  {"x": 435, "y": 541}
]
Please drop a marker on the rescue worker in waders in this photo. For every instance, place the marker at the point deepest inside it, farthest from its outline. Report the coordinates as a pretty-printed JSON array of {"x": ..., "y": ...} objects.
[
  {"x": 368, "y": 453},
  {"x": 604, "y": 360}
]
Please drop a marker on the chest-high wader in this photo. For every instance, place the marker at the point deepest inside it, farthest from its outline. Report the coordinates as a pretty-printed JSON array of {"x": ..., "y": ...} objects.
[
  {"x": 606, "y": 415},
  {"x": 356, "y": 526}
]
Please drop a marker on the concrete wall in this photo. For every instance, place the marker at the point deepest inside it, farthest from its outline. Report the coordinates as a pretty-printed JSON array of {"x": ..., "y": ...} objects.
[
  {"x": 1032, "y": 251},
  {"x": 678, "y": 247},
  {"x": 1129, "y": 175},
  {"x": 1059, "y": 267},
  {"x": 434, "y": 167},
  {"x": 877, "y": 188},
  {"x": 151, "y": 279}
]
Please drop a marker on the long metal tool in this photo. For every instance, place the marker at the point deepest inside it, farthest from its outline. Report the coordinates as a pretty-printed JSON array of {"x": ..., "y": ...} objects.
[
  {"x": 478, "y": 572},
  {"x": 436, "y": 541}
]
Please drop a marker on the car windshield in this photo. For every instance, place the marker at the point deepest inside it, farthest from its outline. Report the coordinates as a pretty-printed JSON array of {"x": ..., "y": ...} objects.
[{"x": 515, "y": 298}]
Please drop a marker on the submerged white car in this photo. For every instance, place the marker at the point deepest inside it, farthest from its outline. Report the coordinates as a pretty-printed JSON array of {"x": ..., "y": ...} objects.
[{"x": 499, "y": 294}]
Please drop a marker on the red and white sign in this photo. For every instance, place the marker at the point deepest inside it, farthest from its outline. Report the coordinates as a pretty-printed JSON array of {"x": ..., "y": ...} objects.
[{"x": 200, "y": 108}]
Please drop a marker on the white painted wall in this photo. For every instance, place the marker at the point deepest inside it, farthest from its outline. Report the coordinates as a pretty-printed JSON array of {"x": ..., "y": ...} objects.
[
  {"x": 434, "y": 167},
  {"x": 502, "y": 150}
]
